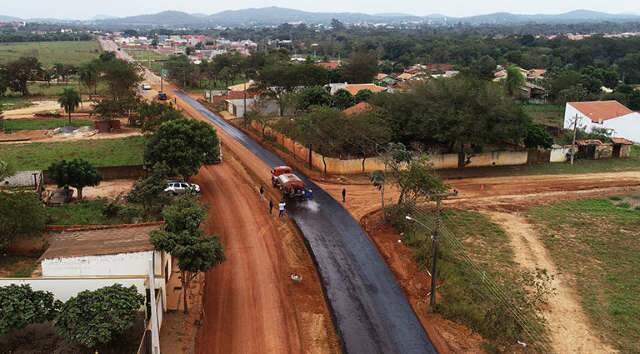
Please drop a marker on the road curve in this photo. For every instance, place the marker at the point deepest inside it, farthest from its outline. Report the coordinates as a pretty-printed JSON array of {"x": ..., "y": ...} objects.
[{"x": 371, "y": 312}]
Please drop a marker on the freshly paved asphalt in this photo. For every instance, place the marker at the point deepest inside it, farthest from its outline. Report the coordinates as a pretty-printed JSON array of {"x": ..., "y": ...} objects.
[{"x": 371, "y": 312}]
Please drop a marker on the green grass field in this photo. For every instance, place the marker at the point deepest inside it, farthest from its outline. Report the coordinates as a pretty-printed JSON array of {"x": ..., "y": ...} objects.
[
  {"x": 87, "y": 212},
  {"x": 49, "y": 53},
  {"x": 144, "y": 55},
  {"x": 44, "y": 123},
  {"x": 596, "y": 242},
  {"x": 546, "y": 114},
  {"x": 105, "y": 152}
]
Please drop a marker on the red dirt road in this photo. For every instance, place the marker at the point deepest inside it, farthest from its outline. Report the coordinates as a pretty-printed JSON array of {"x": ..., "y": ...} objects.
[{"x": 250, "y": 304}]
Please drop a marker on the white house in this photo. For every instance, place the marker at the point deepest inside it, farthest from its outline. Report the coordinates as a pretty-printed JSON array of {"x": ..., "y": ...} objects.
[
  {"x": 89, "y": 260},
  {"x": 610, "y": 115}
]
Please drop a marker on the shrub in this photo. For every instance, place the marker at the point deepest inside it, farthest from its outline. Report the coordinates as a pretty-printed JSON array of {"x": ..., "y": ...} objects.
[
  {"x": 21, "y": 306},
  {"x": 21, "y": 213},
  {"x": 94, "y": 318}
]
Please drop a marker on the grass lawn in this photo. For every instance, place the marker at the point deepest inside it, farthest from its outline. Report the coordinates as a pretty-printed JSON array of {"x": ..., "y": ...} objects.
[
  {"x": 632, "y": 163},
  {"x": 49, "y": 53},
  {"x": 597, "y": 243},
  {"x": 44, "y": 123},
  {"x": 10, "y": 102},
  {"x": 146, "y": 55},
  {"x": 88, "y": 212},
  {"x": 40, "y": 89},
  {"x": 549, "y": 115},
  {"x": 105, "y": 152},
  {"x": 465, "y": 296}
]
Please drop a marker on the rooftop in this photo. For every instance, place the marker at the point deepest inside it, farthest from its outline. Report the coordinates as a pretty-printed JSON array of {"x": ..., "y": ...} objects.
[
  {"x": 355, "y": 88},
  {"x": 100, "y": 242},
  {"x": 358, "y": 108},
  {"x": 601, "y": 110}
]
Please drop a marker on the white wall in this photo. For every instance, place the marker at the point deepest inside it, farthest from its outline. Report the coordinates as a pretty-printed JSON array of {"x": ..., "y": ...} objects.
[
  {"x": 559, "y": 154},
  {"x": 124, "y": 264}
]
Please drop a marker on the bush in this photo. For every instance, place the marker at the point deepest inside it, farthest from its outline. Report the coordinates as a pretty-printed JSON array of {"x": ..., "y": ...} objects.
[
  {"x": 94, "y": 318},
  {"x": 21, "y": 306},
  {"x": 624, "y": 205},
  {"x": 21, "y": 214}
]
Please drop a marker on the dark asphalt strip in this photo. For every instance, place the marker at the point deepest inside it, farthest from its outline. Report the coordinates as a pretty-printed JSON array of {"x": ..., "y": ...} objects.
[{"x": 371, "y": 312}]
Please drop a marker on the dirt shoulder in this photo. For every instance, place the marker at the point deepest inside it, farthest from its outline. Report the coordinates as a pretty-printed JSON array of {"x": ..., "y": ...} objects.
[
  {"x": 251, "y": 305},
  {"x": 447, "y": 336}
]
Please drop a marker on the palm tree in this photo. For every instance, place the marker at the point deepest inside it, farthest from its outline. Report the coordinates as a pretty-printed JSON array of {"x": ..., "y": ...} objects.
[{"x": 69, "y": 100}]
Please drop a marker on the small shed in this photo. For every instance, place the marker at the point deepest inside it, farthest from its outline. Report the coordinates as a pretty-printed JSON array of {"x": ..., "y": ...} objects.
[
  {"x": 594, "y": 149},
  {"x": 621, "y": 147},
  {"x": 23, "y": 180}
]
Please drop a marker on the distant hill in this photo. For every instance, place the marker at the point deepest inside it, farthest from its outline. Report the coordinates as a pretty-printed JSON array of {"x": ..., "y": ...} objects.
[
  {"x": 269, "y": 16},
  {"x": 8, "y": 18}
]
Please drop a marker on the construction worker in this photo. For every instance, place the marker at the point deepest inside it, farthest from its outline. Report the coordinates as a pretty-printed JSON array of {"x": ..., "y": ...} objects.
[
  {"x": 270, "y": 206},
  {"x": 344, "y": 195},
  {"x": 261, "y": 193},
  {"x": 281, "y": 208}
]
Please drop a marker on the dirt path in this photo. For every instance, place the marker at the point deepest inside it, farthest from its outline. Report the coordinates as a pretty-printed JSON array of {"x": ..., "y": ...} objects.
[
  {"x": 569, "y": 326},
  {"x": 251, "y": 305},
  {"x": 28, "y": 112}
]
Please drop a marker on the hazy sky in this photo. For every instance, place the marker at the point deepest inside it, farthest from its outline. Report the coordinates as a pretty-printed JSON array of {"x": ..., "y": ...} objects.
[{"x": 83, "y": 9}]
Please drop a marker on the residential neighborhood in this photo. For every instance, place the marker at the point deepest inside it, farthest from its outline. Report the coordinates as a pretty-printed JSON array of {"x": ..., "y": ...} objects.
[{"x": 274, "y": 180}]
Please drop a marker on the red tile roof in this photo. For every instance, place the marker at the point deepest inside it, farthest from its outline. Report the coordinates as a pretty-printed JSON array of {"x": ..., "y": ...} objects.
[
  {"x": 355, "y": 88},
  {"x": 330, "y": 65},
  {"x": 358, "y": 108},
  {"x": 599, "y": 111},
  {"x": 621, "y": 141}
]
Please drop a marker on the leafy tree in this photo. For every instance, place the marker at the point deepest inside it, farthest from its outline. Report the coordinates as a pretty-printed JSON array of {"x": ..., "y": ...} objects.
[
  {"x": 343, "y": 99},
  {"x": 417, "y": 180},
  {"x": 365, "y": 132},
  {"x": 514, "y": 81},
  {"x": 484, "y": 67},
  {"x": 312, "y": 96},
  {"x": 20, "y": 72},
  {"x": 378, "y": 179},
  {"x": 77, "y": 173},
  {"x": 183, "y": 239},
  {"x": 95, "y": 318},
  {"x": 362, "y": 96},
  {"x": 20, "y": 306},
  {"x": 280, "y": 79},
  {"x": 362, "y": 67},
  {"x": 149, "y": 191},
  {"x": 153, "y": 114},
  {"x": 184, "y": 146},
  {"x": 89, "y": 76},
  {"x": 122, "y": 78},
  {"x": 21, "y": 213},
  {"x": 537, "y": 136},
  {"x": 69, "y": 100},
  {"x": 630, "y": 68}
]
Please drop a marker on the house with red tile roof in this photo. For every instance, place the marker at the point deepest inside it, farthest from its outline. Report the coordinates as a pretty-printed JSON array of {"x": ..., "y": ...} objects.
[
  {"x": 610, "y": 115},
  {"x": 355, "y": 88}
]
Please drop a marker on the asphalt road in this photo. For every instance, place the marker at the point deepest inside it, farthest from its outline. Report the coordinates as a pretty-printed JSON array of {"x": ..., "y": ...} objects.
[{"x": 371, "y": 313}]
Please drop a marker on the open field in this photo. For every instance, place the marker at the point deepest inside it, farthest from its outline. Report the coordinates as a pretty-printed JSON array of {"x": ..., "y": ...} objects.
[
  {"x": 105, "y": 152},
  {"x": 47, "y": 123},
  {"x": 549, "y": 115},
  {"x": 595, "y": 242},
  {"x": 144, "y": 55},
  {"x": 49, "y": 53}
]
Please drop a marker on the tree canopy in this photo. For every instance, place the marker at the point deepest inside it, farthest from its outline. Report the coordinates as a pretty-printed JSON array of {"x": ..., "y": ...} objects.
[
  {"x": 21, "y": 306},
  {"x": 21, "y": 214},
  {"x": 94, "y": 318},
  {"x": 183, "y": 145},
  {"x": 77, "y": 173}
]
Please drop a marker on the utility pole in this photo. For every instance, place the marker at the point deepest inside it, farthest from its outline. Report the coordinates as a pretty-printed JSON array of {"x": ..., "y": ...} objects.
[
  {"x": 435, "y": 238},
  {"x": 573, "y": 144}
]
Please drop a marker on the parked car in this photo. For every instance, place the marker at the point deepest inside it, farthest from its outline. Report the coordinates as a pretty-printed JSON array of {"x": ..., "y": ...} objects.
[
  {"x": 162, "y": 96},
  {"x": 181, "y": 187},
  {"x": 146, "y": 87}
]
